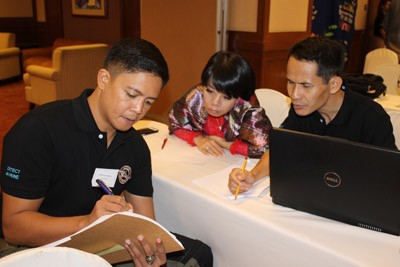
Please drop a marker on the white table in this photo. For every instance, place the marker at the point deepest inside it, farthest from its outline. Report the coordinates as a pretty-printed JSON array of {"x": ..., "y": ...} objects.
[
  {"x": 391, "y": 103},
  {"x": 253, "y": 232}
]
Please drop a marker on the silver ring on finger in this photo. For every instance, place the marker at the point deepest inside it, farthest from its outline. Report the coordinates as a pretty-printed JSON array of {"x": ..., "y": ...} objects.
[
  {"x": 206, "y": 149},
  {"x": 151, "y": 259}
]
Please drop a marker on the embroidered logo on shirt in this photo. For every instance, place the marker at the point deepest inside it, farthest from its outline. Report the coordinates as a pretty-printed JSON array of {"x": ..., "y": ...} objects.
[
  {"x": 13, "y": 172},
  {"x": 124, "y": 174}
]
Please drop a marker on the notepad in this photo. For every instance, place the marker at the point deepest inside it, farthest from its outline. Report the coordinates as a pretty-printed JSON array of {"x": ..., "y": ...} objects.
[{"x": 106, "y": 236}]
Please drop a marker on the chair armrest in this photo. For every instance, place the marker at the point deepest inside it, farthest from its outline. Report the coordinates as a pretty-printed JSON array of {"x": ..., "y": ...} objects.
[
  {"x": 12, "y": 51},
  {"x": 34, "y": 52},
  {"x": 43, "y": 72}
]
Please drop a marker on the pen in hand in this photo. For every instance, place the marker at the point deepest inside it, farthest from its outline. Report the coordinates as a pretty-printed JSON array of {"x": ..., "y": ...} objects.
[
  {"x": 242, "y": 171},
  {"x": 103, "y": 186}
]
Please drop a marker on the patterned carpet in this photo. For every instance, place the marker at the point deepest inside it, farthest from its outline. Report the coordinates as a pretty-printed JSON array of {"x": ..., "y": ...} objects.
[{"x": 12, "y": 106}]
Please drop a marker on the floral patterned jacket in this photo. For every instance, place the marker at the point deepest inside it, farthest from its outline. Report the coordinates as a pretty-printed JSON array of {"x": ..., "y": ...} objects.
[{"x": 246, "y": 120}]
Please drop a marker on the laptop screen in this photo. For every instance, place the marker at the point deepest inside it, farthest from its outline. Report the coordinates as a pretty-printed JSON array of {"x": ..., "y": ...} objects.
[{"x": 346, "y": 181}]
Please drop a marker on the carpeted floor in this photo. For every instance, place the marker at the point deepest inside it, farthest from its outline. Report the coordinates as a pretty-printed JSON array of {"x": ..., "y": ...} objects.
[{"x": 12, "y": 106}]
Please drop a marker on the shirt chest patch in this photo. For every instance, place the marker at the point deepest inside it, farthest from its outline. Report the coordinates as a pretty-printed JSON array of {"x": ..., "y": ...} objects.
[{"x": 124, "y": 174}]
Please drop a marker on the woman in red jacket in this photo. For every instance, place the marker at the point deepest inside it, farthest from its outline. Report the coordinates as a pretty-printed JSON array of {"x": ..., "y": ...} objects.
[{"x": 222, "y": 112}]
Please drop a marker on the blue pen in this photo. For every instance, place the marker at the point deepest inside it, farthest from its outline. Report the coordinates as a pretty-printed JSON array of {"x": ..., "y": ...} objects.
[{"x": 103, "y": 186}]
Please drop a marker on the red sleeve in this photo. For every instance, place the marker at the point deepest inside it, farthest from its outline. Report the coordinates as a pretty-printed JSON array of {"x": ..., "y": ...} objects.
[
  {"x": 187, "y": 135},
  {"x": 239, "y": 147}
]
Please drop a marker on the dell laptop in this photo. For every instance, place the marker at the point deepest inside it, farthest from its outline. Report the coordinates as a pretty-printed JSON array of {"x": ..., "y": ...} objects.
[{"x": 346, "y": 181}]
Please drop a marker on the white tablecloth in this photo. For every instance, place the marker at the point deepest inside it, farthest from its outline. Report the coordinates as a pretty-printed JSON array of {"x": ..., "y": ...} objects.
[
  {"x": 391, "y": 103},
  {"x": 251, "y": 232}
]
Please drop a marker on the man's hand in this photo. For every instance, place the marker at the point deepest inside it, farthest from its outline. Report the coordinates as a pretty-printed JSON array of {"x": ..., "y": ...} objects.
[
  {"x": 150, "y": 257},
  {"x": 245, "y": 180},
  {"x": 108, "y": 204}
]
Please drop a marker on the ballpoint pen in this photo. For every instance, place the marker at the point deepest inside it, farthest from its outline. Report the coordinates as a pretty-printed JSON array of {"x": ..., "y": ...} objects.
[
  {"x": 103, "y": 186},
  {"x": 164, "y": 142},
  {"x": 242, "y": 171}
]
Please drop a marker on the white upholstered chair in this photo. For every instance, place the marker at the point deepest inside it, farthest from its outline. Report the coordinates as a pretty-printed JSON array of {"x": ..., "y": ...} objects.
[
  {"x": 391, "y": 77},
  {"x": 377, "y": 57},
  {"x": 9, "y": 56},
  {"x": 53, "y": 256},
  {"x": 275, "y": 103}
]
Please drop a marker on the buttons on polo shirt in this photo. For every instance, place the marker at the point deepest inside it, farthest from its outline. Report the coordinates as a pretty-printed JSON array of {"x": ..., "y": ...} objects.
[
  {"x": 322, "y": 120},
  {"x": 101, "y": 136}
]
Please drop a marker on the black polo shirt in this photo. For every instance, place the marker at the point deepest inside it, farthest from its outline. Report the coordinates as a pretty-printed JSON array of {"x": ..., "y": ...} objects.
[
  {"x": 53, "y": 151},
  {"x": 360, "y": 119}
]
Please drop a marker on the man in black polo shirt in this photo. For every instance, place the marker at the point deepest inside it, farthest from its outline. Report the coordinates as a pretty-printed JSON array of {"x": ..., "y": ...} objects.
[
  {"x": 51, "y": 156},
  {"x": 322, "y": 105}
]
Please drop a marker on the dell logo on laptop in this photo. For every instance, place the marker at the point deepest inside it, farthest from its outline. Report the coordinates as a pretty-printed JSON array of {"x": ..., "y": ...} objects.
[{"x": 332, "y": 179}]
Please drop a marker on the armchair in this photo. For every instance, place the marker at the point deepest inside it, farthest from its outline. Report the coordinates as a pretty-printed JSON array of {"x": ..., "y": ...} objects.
[
  {"x": 73, "y": 69},
  {"x": 42, "y": 56},
  {"x": 9, "y": 56}
]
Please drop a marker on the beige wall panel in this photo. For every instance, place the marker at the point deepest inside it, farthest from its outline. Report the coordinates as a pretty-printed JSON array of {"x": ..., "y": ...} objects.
[
  {"x": 361, "y": 15},
  {"x": 185, "y": 32},
  {"x": 243, "y": 15},
  {"x": 288, "y": 16},
  {"x": 40, "y": 10},
  {"x": 16, "y": 9}
]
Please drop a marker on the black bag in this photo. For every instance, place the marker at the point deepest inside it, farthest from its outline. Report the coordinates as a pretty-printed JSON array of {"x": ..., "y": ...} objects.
[{"x": 370, "y": 85}]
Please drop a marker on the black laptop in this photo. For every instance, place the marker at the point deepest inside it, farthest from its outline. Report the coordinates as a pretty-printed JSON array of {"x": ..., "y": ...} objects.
[{"x": 346, "y": 181}]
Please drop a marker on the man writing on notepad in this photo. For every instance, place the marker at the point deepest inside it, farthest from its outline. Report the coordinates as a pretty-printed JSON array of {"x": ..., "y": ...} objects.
[
  {"x": 53, "y": 156},
  {"x": 323, "y": 105}
]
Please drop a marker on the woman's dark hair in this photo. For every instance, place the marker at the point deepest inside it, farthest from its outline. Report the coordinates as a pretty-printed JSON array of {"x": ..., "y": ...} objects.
[
  {"x": 328, "y": 54},
  {"x": 132, "y": 55},
  {"x": 230, "y": 74}
]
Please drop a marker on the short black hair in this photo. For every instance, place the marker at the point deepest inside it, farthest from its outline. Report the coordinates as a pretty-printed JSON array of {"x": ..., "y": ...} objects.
[
  {"x": 328, "y": 54},
  {"x": 230, "y": 74},
  {"x": 132, "y": 54}
]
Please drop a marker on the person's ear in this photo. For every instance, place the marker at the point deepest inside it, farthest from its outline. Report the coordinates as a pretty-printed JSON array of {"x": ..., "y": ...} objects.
[
  {"x": 335, "y": 84},
  {"x": 103, "y": 77}
]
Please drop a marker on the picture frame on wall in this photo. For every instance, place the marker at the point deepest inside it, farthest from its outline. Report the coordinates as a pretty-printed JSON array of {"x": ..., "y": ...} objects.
[{"x": 89, "y": 8}]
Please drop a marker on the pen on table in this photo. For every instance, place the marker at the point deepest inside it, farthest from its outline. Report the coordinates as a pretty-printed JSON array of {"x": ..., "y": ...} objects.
[
  {"x": 164, "y": 142},
  {"x": 242, "y": 171},
  {"x": 103, "y": 186}
]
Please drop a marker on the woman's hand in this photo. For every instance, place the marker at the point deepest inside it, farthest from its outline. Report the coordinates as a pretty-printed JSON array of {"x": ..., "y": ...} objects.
[
  {"x": 221, "y": 141},
  {"x": 150, "y": 257},
  {"x": 208, "y": 146}
]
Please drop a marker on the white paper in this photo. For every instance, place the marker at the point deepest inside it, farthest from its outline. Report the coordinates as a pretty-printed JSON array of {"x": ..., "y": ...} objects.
[{"x": 217, "y": 183}]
